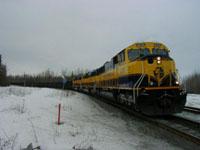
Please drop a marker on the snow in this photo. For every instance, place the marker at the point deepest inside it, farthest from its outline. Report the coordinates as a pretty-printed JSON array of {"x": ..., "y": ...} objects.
[
  {"x": 193, "y": 100},
  {"x": 29, "y": 115}
]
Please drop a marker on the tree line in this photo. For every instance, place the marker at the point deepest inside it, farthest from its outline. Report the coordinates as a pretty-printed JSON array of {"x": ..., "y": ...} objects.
[
  {"x": 3, "y": 74},
  {"x": 44, "y": 79},
  {"x": 192, "y": 83}
]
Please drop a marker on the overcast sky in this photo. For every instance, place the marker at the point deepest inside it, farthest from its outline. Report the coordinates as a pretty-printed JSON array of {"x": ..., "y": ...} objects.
[{"x": 59, "y": 34}]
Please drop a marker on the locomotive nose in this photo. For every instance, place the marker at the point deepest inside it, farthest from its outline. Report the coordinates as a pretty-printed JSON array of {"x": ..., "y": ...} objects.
[
  {"x": 151, "y": 59},
  {"x": 165, "y": 102}
]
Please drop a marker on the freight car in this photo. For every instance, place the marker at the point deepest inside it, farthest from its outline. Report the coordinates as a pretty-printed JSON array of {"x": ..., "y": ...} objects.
[{"x": 142, "y": 76}]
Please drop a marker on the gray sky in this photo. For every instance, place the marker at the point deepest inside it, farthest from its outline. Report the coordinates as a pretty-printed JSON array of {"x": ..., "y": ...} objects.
[{"x": 59, "y": 34}]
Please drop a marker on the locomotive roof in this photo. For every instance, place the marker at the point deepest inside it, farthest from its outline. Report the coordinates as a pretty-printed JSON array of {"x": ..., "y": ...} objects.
[{"x": 148, "y": 45}]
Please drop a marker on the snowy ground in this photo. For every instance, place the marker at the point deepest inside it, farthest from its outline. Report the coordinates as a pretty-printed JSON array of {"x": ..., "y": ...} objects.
[
  {"x": 28, "y": 115},
  {"x": 193, "y": 100}
]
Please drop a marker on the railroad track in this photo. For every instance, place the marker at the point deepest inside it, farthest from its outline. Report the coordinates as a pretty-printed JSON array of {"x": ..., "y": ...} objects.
[
  {"x": 192, "y": 109},
  {"x": 182, "y": 127},
  {"x": 187, "y": 121},
  {"x": 185, "y": 128}
]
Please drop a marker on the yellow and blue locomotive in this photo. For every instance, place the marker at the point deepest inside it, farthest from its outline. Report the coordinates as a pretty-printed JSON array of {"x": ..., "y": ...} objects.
[{"x": 143, "y": 75}]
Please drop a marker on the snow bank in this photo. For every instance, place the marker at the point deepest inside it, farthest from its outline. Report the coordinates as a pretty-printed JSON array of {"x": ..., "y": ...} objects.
[{"x": 193, "y": 100}]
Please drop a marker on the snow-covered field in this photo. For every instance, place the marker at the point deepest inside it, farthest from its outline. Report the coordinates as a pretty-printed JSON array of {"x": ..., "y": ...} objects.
[
  {"x": 29, "y": 115},
  {"x": 193, "y": 100}
]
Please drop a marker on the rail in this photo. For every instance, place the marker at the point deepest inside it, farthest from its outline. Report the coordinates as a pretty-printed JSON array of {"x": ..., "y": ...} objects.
[{"x": 192, "y": 109}]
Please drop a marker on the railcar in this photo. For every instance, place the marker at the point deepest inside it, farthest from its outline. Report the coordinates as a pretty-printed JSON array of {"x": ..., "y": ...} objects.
[{"x": 142, "y": 76}]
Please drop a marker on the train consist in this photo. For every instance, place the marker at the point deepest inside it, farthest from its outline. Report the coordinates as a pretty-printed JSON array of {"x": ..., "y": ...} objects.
[{"x": 142, "y": 76}]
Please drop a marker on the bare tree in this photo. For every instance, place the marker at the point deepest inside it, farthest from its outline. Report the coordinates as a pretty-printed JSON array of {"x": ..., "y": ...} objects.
[{"x": 192, "y": 83}]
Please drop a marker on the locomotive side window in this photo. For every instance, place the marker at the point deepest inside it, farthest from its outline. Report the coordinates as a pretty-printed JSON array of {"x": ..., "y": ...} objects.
[
  {"x": 121, "y": 57},
  {"x": 162, "y": 52},
  {"x": 133, "y": 54}
]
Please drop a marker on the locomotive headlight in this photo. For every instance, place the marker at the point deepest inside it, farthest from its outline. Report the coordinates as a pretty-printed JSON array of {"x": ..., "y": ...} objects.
[
  {"x": 158, "y": 60},
  {"x": 177, "y": 82}
]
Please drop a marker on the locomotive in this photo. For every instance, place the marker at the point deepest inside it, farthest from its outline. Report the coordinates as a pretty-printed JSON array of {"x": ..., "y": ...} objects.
[{"x": 142, "y": 76}]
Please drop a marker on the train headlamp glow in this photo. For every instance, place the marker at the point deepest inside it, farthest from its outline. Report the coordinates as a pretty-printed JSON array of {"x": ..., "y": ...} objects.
[
  {"x": 177, "y": 82},
  {"x": 158, "y": 58},
  {"x": 159, "y": 61}
]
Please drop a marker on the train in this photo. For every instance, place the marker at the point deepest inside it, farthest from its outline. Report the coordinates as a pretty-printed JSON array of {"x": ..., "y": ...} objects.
[{"x": 142, "y": 76}]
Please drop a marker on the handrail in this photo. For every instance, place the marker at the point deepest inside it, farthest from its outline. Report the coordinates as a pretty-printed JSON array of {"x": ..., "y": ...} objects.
[{"x": 138, "y": 83}]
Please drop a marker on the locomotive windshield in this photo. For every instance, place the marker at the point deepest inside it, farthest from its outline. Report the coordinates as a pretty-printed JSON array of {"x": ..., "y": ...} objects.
[
  {"x": 161, "y": 52},
  {"x": 135, "y": 53}
]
